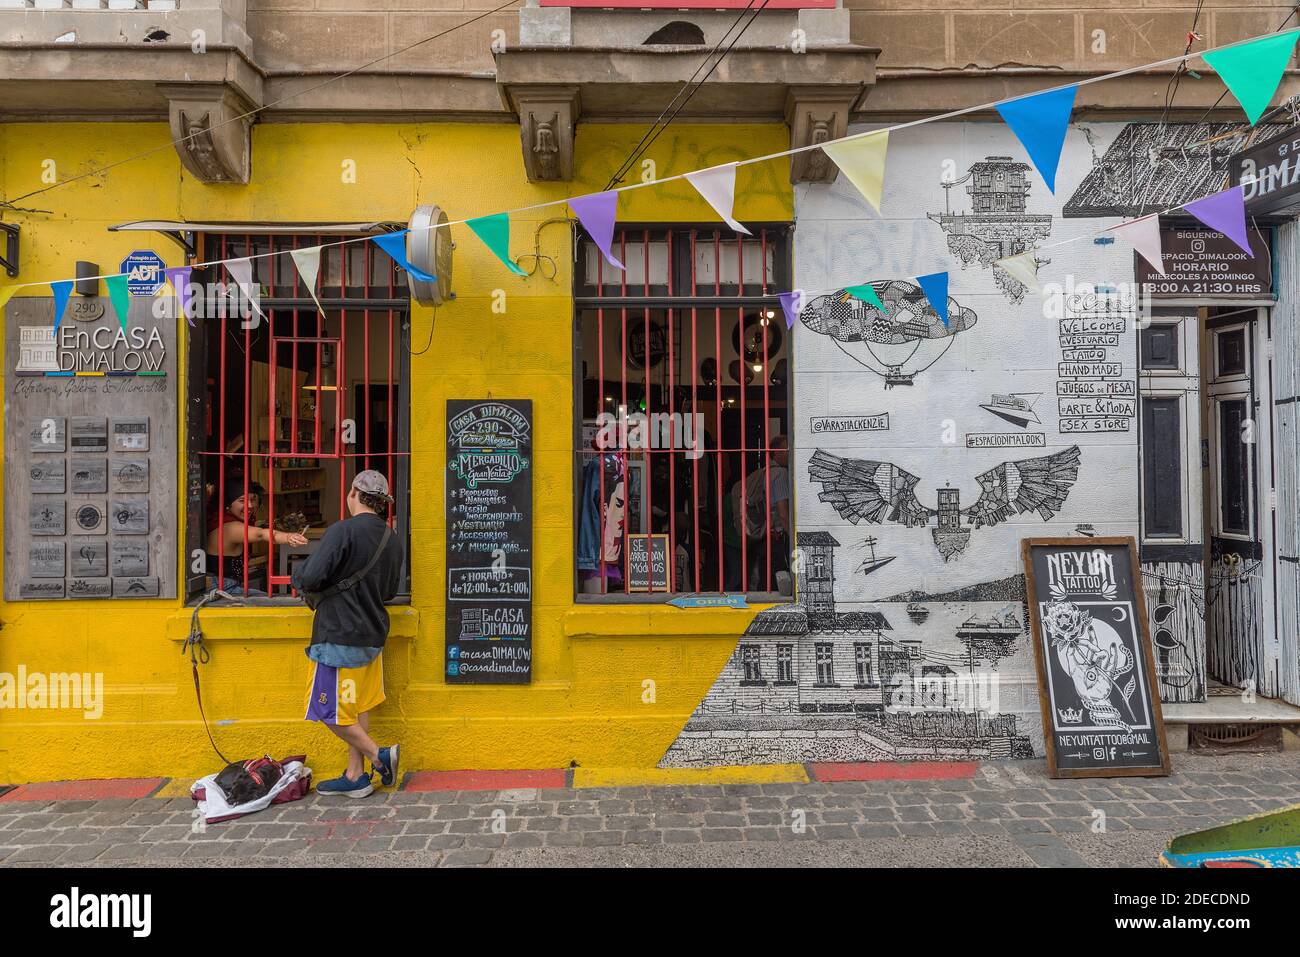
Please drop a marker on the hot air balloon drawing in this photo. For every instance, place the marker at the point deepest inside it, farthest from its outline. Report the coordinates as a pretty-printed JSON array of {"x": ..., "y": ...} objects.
[{"x": 897, "y": 344}]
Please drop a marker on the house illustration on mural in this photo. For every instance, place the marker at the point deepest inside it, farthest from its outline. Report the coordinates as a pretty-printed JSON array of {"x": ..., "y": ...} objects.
[{"x": 812, "y": 682}]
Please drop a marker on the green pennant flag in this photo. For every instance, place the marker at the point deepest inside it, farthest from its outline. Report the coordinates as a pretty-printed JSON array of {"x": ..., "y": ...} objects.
[
  {"x": 121, "y": 299},
  {"x": 494, "y": 230},
  {"x": 1253, "y": 70},
  {"x": 867, "y": 294}
]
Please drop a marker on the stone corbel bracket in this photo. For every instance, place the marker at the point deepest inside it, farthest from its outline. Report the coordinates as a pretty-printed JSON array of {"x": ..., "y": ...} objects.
[
  {"x": 815, "y": 115},
  {"x": 548, "y": 121},
  {"x": 210, "y": 132}
]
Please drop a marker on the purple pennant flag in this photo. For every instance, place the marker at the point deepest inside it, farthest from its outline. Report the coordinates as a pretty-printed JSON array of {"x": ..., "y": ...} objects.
[
  {"x": 179, "y": 277},
  {"x": 1224, "y": 212},
  {"x": 597, "y": 213},
  {"x": 791, "y": 305}
]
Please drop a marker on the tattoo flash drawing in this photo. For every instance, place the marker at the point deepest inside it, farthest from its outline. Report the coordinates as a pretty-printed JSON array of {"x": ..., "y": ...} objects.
[{"x": 1099, "y": 665}]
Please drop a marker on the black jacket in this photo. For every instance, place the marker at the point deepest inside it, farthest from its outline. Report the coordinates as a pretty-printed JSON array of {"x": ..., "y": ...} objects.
[{"x": 356, "y": 616}]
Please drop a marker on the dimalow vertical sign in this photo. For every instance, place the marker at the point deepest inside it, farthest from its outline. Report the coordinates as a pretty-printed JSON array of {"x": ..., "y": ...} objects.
[{"x": 489, "y": 541}]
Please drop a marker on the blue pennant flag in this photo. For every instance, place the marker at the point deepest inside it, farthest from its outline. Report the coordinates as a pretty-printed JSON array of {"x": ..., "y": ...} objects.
[
  {"x": 395, "y": 245},
  {"x": 1040, "y": 122},
  {"x": 935, "y": 287},
  {"x": 62, "y": 290}
]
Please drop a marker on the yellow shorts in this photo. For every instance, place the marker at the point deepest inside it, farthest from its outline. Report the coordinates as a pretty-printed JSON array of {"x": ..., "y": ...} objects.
[{"x": 338, "y": 695}]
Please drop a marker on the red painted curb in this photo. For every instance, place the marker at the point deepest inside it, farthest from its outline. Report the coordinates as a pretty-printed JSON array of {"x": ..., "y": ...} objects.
[
  {"x": 484, "y": 780},
  {"x": 84, "y": 790},
  {"x": 893, "y": 771}
]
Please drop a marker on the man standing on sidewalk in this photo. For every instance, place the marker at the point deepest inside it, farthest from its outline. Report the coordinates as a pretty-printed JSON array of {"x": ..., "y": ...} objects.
[{"x": 347, "y": 579}]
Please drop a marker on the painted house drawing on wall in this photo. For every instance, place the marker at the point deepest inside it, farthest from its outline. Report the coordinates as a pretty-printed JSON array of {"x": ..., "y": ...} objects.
[
  {"x": 998, "y": 224},
  {"x": 815, "y": 681}
]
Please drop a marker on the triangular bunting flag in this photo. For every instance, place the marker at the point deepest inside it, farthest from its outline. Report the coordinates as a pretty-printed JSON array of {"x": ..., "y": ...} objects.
[
  {"x": 307, "y": 262},
  {"x": 791, "y": 305},
  {"x": 1144, "y": 235},
  {"x": 718, "y": 187},
  {"x": 494, "y": 230},
  {"x": 1023, "y": 268},
  {"x": 242, "y": 271},
  {"x": 1224, "y": 212},
  {"x": 119, "y": 297},
  {"x": 597, "y": 213},
  {"x": 935, "y": 287},
  {"x": 867, "y": 293},
  {"x": 1040, "y": 122},
  {"x": 6, "y": 293},
  {"x": 62, "y": 290},
  {"x": 862, "y": 160},
  {"x": 1253, "y": 70},
  {"x": 395, "y": 245},
  {"x": 179, "y": 278}
]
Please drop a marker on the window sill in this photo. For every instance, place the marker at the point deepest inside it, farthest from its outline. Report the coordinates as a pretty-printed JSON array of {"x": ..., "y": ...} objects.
[
  {"x": 656, "y": 621},
  {"x": 272, "y": 623}
]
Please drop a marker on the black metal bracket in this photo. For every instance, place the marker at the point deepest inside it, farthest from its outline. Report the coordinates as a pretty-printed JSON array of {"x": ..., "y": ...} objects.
[
  {"x": 10, "y": 258},
  {"x": 184, "y": 238}
]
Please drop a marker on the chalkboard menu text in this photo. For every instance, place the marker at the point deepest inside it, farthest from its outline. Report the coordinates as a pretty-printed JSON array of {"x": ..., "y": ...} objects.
[{"x": 489, "y": 541}]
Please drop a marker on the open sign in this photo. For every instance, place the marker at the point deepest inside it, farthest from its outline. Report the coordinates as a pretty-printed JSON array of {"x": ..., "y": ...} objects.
[{"x": 145, "y": 272}]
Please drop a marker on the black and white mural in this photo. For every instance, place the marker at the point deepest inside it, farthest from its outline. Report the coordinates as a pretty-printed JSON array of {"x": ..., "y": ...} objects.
[{"x": 908, "y": 640}]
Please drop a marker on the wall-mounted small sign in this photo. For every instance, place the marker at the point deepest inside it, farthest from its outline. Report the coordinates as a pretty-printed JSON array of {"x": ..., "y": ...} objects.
[
  {"x": 129, "y": 516},
  {"x": 130, "y": 559},
  {"x": 89, "y": 559},
  {"x": 145, "y": 272},
  {"x": 48, "y": 435},
  {"x": 89, "y": 476},
  {"x": 88, "y": 518},
  {"x": 647, "y": 563},
  {"x": 130, "y": 475},
  {"x": 131, "y": 435},
  {"x": 46, "y": 517},
  {"x": 89, "y": 433},
  {"x": 142, "y": 587},
  {"x": 45, "y": 560},
  {"x": 90, "y": 588},
  {"x": 47, "y": 475}
]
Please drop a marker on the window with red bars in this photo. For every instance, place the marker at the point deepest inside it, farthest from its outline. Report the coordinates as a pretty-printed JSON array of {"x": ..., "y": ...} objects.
[
  {"x": 683, "y": 375},
  {"x": 284, "y": 409}
]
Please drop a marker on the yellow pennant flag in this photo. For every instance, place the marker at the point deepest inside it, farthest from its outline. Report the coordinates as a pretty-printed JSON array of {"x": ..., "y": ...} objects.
[
  {"x": 6, "y": 293},
  {"x": 862, "y": 160},
  {"x": 1022, "y": 268}
]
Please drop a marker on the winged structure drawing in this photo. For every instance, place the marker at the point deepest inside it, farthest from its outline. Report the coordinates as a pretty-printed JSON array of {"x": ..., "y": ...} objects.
[{"x": 877, "y": 493}]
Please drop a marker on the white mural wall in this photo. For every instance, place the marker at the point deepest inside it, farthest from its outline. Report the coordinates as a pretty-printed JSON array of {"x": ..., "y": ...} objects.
[{"x": 923, "y": 455}]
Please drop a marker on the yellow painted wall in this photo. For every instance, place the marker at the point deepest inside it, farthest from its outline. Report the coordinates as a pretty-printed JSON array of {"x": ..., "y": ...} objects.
[{"x": 585, "y": 704}]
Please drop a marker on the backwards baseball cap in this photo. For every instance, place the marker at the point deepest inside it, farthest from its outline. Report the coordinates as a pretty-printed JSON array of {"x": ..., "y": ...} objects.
[{"x": 372, "y": 482}]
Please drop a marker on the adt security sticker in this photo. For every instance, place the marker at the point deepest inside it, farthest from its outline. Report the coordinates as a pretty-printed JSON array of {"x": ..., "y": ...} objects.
[{"x": 145, "y": 272}]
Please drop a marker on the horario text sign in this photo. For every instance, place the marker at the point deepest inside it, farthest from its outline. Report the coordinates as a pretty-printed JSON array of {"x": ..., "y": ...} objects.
[
  {"x": 489, "y": 541},
  {"x": 1096, "y": 675}
]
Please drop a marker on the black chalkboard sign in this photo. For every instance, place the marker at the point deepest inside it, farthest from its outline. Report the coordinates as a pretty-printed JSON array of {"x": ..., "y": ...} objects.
[
  {"x": 489, "y": 481},
  {"x": 648, "y": 567},
  {"x": 1096, "y": 676}
]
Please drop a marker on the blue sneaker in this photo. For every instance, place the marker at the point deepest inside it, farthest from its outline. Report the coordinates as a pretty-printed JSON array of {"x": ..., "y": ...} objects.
[
  {"x": 359, "y": 788},
  {"x": 387, "y": 765}
]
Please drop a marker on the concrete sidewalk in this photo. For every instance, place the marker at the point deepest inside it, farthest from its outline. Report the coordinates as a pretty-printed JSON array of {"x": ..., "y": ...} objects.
[{"x": 1005, "y": 813}]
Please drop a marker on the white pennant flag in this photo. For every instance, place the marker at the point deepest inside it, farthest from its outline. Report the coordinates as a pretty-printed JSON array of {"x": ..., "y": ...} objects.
[
  {"x": 242, "y": 270},
  {"x": 1144, "y": 236},
  {"x": 718, "y": 186},
  {"x": 307, "y": 262},
  {"x": 1023, "y": 268}
]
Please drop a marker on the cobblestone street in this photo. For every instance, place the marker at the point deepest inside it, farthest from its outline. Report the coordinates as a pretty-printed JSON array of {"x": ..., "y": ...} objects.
[{"x": 1007, "y": 814}]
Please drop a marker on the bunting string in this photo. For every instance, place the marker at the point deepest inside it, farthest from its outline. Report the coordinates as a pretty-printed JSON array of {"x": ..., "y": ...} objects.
[{"x": 1034, "y": 118}]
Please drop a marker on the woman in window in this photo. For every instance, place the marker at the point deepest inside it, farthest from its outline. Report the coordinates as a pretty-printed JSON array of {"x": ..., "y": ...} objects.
[{"x": 226, "y": 529}]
